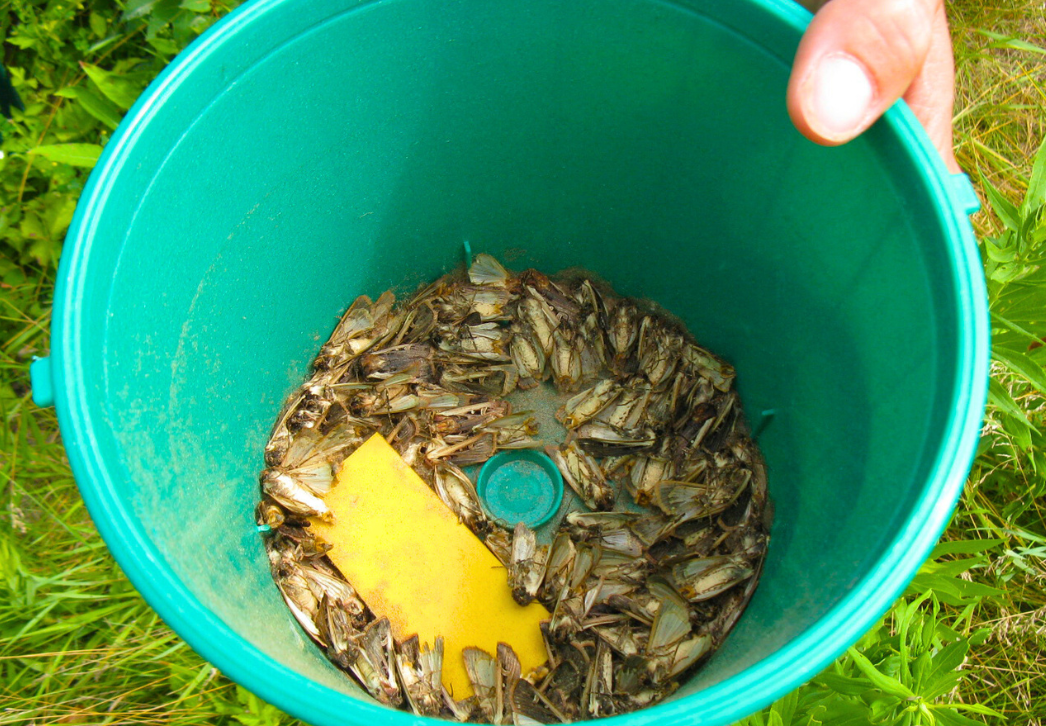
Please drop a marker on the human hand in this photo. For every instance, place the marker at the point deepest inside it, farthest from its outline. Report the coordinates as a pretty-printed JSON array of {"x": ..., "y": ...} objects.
[{"x": 859, "y": 56}]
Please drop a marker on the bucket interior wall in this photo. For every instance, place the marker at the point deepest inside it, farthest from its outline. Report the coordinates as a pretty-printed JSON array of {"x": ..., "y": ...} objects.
[{"x": 346, "y": 151}]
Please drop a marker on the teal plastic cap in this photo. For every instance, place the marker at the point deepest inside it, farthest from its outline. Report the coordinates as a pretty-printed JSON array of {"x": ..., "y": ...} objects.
[{"x": 520, "y": 486}]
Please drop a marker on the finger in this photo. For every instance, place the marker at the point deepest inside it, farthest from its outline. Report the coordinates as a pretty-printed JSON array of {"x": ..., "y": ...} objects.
[
  {"x": 854, "y": 61},
  {"x": 932, "y": 94}
]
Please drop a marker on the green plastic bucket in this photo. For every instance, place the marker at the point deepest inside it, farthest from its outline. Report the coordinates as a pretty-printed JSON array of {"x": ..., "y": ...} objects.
[{"x": 302, "y": 153}]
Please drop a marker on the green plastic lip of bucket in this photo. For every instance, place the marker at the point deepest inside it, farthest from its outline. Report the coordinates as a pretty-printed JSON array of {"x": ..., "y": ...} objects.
[
  {"x": 292, "y": 123},
  {"x": 520, "y": 486}
]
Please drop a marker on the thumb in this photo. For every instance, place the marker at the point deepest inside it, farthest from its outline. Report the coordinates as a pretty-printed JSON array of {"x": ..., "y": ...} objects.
[{"x": 854, "y": 61}]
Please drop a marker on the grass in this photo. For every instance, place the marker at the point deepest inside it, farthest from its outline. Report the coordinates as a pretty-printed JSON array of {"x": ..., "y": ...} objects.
[
  {"x": 79, "y": 646},
  {"x": 1000, "y": 124}
]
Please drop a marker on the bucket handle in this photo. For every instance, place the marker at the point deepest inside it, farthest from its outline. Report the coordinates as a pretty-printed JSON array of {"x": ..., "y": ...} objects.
[
  {"x": 42, "y": 382},
  {"x": 964, "y": 194}
]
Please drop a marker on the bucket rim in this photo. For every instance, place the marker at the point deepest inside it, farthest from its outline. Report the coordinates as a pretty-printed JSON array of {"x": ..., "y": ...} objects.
[{"x": 721, "y": 703}]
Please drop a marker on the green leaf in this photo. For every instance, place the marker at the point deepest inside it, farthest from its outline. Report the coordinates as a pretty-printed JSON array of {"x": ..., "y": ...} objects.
[
  {"x": 98, "y": 25},
  {"x": 883, "y": 682},
  {"x": 944, "y": 672},
  {"x": 905, "y": 614},
  {"x": 11, "y": 570},
  {"x": 44, "y": 251},
  {"x": 972, "y": 708},
  {"x": 1003, "y": 207},
  {"x": 164, "y": 46},
  {"x": 785, "y": 708},
  {"x": 21, "y": 41},
  {"x": 1025, "y": 306},
  {"x": 1035, "y": 197},
  {"x": 951, "y": 718},
  {"x": 1020, "y": 431},
  {"x": 85, "y": 155},
  {"x": 58, "y": 214},
  {"x": 196, "y": 6},
  {"x": 105, "y": 42},
  {"x": 952, "y": 568},
  {"x": 921, "y": 668},
  {"x": 97, "y": 105},
  {"x": 1019, "y": 330},
  {"x": 160, "y": 16},
  {"x": 1004, "y": 273},
  {"x": 115, "y": 87},
  {"x": 844, "y": 685},
  {"x": 1001, "y": 249},
  {"x": 138, "y": 9},
  {"x": 980, "y": 636},
  {"x": 964, "y": 547},
  {"x": 1010, "y": 42},
  {"x": 845, "y": 713},
  {"x": 1001, "y": 399},
  {"x": 951, "y": 590},
  {"x": 1023, "y": 366}
]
